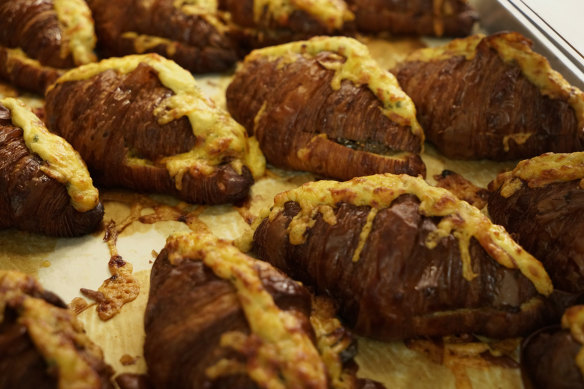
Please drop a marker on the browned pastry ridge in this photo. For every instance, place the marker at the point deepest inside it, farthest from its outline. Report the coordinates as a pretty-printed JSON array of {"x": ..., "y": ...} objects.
[
  {"x": 403, "y": 259},
  {"x": 193, "y": 35},
  {"x": 312, "y": 106},
  {"x": 141, "y": 122},
  {"x": 492, "y": 97},
  {"x": 217, "y": 318},
  {"x": 542, "y": 203},
  {"x": 414, "y": 17},
  {"x": 32, "y": 197},
  {"x": 42, "y": 345},
  {"x": 39, "y": 37}
]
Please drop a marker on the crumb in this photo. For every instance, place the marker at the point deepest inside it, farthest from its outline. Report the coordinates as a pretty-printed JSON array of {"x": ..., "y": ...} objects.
[{"x": 128, "y": 360}]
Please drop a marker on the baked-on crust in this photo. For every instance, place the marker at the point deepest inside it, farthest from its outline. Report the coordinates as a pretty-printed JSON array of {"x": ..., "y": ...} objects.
[
  {"x": 141, "y": 122},
  {"x": 541, "y": 202},
  {"x": 218, "y": 318},
  {"x": 404, "y": 259},
  {"x": 33, "y": 197},
  {"x": 193, "y": 35},
  {"x": 492, "y": 97},
  {"x": 42, "y": 345},
  {"x": 324, "y": 106},
  {"x": 414, "y": 17}
]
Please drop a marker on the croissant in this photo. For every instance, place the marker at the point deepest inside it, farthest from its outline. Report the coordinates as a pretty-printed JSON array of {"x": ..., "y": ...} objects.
[
  {"x": 194, "y": 35},
  {"x": 218, "y": 318},
  {"x": 541, "y": 202},
  {"x": 39, "y": 37},
  {"x": 324, "y": 106},
  {"x": 44, "y": 185},
  {"x": 42, "y": 345},
  {"x": 414, "y": 17},
  {"x": 492, "y": 97},
  {"x": 141, "y": 122},
  {"x": 403, "y": 259}
]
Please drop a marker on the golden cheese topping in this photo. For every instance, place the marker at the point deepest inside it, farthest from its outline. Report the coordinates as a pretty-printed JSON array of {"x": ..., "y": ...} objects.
[
  {"x": 206, "y": 9},
  {"x": 458, "y": 218},
  {"x": 77, "y": 28},
  {"x": 55, "y": 332},
  {"x": 359, "y": 68},
  {"x": 286, "y": 357},
  {"x": 143, "y": 42},
  {"x": 330, "y": 13},
  {"x": 62, "y": 162},
  {"x": 540, "y": 171},
  {"x": 573, "y": 320},
  {"x": 221, "y": 136},
  {"x": 512, "y": 48}
]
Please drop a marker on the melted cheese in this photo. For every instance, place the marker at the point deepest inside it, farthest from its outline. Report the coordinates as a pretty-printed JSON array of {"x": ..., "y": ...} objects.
[
  {"x": 512, "y": 48},
  {"x": 143, "y": 43},
  {"x": 206, "y": 9},
  {"x": 221, "y": 136},
  {"x": 541, "y": 171},
  {"x": 573, "y": 320},
  {"x": 77, "y": 29},
  {"x": 63, "y": 163},
  {"x": 286, "y": 356},
  {"x": 458, "y": 218},
  {"x": 330, "y": 13},
  {"x": 359, "y": 68}
]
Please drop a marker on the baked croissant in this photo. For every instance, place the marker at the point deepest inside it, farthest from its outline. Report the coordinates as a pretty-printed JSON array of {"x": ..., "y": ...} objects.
[
  {"x": 414, "y": 17},
  {"x": 191, "y": 33},
  {"x": 39, "y": 37},
  {"x": 44, "y": 185},
  {"x": 492, "y": 97},
  {"x": 42, "y": 345},
  {"x": 141, "y": 122},
  {"x": 403, "y": 259},
  {"x": 218, "y": 318},
  {"x": 324, "y": 106},
  {"x": 541, "y": 202}
]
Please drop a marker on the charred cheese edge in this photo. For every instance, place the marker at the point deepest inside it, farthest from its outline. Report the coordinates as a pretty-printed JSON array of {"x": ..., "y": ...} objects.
[
  {"x": 330, "y": 13},
  {"x": 55, "y": 332},
  {"x": 62, "y": 162},
  {"x": 541, "y": 171},
  {"x": 77, "y": 28},
  {"x": 459, "y": 218},
  {"x": 220, "y": 134},
  {"x": 359, "y": 68},
  {"x": 573, "y": 320},
  {"x": 285, "y": 352},
  {"x": 512, "y": 48}
]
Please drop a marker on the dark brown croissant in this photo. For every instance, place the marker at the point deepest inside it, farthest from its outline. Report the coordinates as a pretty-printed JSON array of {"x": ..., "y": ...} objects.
[
  {"x": 42, "y": 345},
  {"x": 542, "y": 203},
  {"x": 414, "y": 17},
  {"x": 404, "y": 259},
  {"x": 141, "y": 122},
  {"x": 192, "y": 34},
  {"x": 218, "y": 318},
  {"x": 44, "y": 185},
  {"x": 492, "y": 97},
  {"x": 324, "y": 106},
  {"x": 38, "y": 37}
]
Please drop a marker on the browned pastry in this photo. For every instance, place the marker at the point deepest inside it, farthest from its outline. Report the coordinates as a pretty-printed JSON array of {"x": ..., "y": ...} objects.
[
  {"x": 42, "y": 345},
  {"x": 492, "y": 97},
  {"x": 324, "y": 106},
  {"x": 191, "y": 33},
  {"x": 542, "y": 203},
  {"x": 404, "y": 259},
  {"x": 141, "y": 122},
  {"x": 38, "y": 37},
  {"x": 414, "y": 17},
  {"x": 553, "y": 357},
  {"x": 462, "y": 188},
  {"x": 44, "y": 185},
  {"x": 217, "y": 318}
]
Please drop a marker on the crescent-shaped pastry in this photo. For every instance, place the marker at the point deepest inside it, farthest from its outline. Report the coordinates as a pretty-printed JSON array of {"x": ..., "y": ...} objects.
[
  {"x": 44, "y": 185},
  {"x": 325, "y": 106},
  {"x": 492, "y": 97},
  {"x": 404, "y": 259},
  {"x": 141, "y": 122}
]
